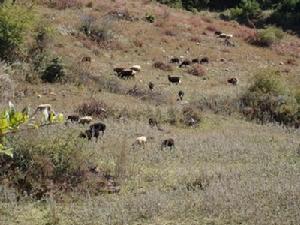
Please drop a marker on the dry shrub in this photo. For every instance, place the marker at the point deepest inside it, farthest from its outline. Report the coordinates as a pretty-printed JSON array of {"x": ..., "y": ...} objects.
[
  {"x": 207, "y": 19},
  {"x": 64, "y": 4},
  {"x": 162, "y": 66},
  {"x": 93, "y": 108},
  {"x": 245, "y": 33},
  {"x": 195, "y": 22},
  {"x": 170, "y": 33},
  {"x": 190, "y": 116},
  {"x": 195, "y": 39},
  {"x": 211, "y": 28},
  {"x": 138, "y": 43},
  {"x": 197, "y": 70},
  {"x": 292, "y": 62}
]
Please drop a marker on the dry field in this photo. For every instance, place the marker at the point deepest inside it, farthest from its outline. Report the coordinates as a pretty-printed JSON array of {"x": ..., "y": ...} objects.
[{"x": 227, "y": 170}]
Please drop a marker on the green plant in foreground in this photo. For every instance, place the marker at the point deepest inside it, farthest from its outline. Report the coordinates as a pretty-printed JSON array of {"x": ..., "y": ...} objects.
[{"x": 12, "y": 120}]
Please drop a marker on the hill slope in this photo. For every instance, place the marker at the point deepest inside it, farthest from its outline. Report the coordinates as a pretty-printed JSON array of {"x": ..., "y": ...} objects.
[{"x": 224, "y": 170}]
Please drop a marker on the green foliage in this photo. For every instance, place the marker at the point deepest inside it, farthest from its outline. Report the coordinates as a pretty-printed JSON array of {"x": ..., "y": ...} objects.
[
  {"x": 267, "y": 37},
  {"x": 271, "y": 100},
  {"x": 54, "y": 72},
  {"x": 247, "y": 9},
  {"x": 15, "y": 22},
  {"x": 11, "y": 120}
]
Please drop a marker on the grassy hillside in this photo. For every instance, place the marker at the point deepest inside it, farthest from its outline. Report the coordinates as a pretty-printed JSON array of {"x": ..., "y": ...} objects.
[{"x": 227, "y": 169}]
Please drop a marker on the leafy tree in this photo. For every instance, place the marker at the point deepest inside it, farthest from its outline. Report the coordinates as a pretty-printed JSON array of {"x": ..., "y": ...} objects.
[{"x": 15, "y": 22}]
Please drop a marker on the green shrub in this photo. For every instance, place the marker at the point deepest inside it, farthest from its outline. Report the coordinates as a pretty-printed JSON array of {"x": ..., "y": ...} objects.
[
  {"x": 54, "y": 72},
  {"x": 270, "y": 100},
  {"x": 267, "y": 37},
  {"x": 15, "y": 22}
]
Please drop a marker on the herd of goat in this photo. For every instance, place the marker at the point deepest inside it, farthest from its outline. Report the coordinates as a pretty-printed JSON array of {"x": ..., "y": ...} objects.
[{"x": 97, "y": 129}]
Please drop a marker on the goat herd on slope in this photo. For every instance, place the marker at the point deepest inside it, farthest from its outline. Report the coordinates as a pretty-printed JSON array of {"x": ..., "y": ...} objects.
[{"x": 98, "y": 128}]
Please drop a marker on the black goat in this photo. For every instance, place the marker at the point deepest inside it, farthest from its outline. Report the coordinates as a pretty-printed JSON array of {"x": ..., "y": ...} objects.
[
  {"x": 126, "y": 74},
  {"x": 180, "y": 95},
  {"x": 73, "y": 118},
  {"x": 196, "y": 60},
  {"x": 234, "y": 81},
  {"x": 168, "y": 143},
  {"x": 153, "y": 122},
  {"x": 185, "y": 63},
  {"x": 175, "y": 80},
  {"x": 175, "y": 60},
  {"x": 204, "y": 60},
  {"x": 151, "y": 85},
  {"x": 97, "y": 127},
  {"x": 94, "y": 131}
]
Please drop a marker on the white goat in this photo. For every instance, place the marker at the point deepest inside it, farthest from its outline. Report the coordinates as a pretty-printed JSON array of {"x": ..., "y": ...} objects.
[{"x": 141, "y": 141}]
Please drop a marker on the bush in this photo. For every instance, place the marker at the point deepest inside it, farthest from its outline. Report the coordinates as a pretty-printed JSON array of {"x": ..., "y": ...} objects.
[
  {"x": 54, "y": 72},
  {"x": 190, "y": 116},
  {"x": 13, "y": 29},
  {"x": 96, "y": 30},
  {"x": 267, "y": 37},
  {"x": 271, "y": 100},
  {"x": 93, "y": 108},
  {"x": 51, "y": 160},
  {"x": 162, "y": 66},
  {"x": 197, "y": 70}
]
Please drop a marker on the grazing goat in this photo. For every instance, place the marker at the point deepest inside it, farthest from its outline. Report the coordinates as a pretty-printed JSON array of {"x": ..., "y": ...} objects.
[
  {"x": 218, "y": 33},
  {"x": 127, "y": 73},
  {"x": 85, "y": 120},
  {"x": 151, "y": 85},
  {"x": 204, "y": 60},
  {"x": 73, "y": 118},
  {"x": 97, "y": 127},
  {"x": 234, "y": 81},
  {"x": 93, "y": 131},
  {"x": 185, "y": 63},
  {"x": 175, "y": 80},
  {"x": 168, "y": 143},
  {"x": 142, "y": 140},
  {"x": 196, "y": 60},
  {"x": 226, "y": 36},
  {"x": 180, "y": 95},
  {"x": 86, "y": 59},
  {"x": 153, "y": 122},
  {"x": 175, "y": 60}
]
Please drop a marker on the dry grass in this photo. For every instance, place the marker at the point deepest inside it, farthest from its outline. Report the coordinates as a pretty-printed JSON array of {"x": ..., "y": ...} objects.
[{"x": 223, "y": 171}]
